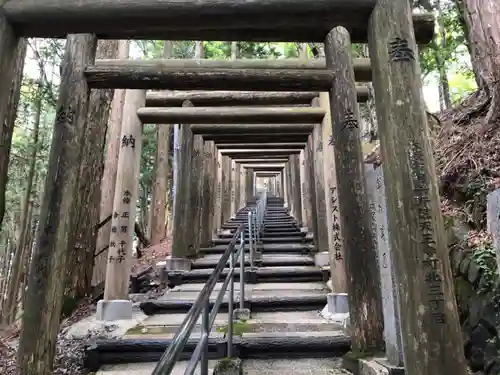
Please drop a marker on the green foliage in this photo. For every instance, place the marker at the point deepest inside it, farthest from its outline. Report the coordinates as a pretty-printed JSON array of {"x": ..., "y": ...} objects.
[{"x": 485, "y": 258}]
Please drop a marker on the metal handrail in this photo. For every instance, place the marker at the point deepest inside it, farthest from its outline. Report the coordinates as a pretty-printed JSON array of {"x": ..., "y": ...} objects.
[
  {"x": 202, "y": 307},
  {"x": 255, "y": 225}
]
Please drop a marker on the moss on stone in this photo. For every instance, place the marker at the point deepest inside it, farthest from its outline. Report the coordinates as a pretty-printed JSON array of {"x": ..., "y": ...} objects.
[{"x": 239, "y": 328}]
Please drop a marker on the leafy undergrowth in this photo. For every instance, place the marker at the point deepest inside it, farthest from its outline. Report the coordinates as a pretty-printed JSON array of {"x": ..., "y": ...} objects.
[
  {"x": 69, "y": 353},
  {"x": 467, "y": 154}
]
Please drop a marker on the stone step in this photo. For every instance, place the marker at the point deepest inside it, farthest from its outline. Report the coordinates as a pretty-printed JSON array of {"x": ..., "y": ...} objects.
[
  {"x": 293, "y": 346},
  {"x": 147, "y": 368},
  {"x": 262, "y": 274},
  {"x": 300, "y": 366},
  {"x": 270, "y": 240},
  {"x": 210, "y": 261},
  {"x": 266, "y": 235},
  {"x": 291, "y": 248},
  {"x": 293, "y": 296}
]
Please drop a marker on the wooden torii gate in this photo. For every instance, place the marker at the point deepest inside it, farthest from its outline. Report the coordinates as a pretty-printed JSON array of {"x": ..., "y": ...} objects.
[{"x": 429, "y": 324}]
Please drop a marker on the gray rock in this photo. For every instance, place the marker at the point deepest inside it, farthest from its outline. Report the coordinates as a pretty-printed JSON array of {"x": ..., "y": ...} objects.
[
  {"x": 474, "y": 273},
  {"x": 464, "y": 265},
  {"x": 457, "y": 257}
]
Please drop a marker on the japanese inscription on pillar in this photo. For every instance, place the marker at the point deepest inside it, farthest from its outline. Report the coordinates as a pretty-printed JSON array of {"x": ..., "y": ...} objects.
[
  {"x": 399, "y": 50},
  {"x": 430, "y": 262},
  {"x": 337, "y": 241},
  {"x": 121, "y": 236},
  {"x": 350, "y": 120}
]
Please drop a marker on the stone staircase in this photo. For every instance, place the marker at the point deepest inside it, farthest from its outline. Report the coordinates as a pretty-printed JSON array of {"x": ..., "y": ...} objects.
[{"x": 285, "y": 294}]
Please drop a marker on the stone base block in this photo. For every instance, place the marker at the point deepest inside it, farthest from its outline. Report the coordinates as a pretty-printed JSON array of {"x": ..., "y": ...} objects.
[
  {"x": 114, "y": 310},
  {"x": 178, "y": 264},
  {"x": 322, "y": 259},
  {"x": 241, "y": 314},
  {"x": 369, "y": 366},
  {"x": 228, "y": 366},
  {"x": 337, "y": 303},
  {"x": 393, "y": 369},
  {"x": 251, "y": 275}
]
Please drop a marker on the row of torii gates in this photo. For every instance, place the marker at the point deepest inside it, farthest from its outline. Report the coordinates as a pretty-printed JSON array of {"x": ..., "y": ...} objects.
[{"x": 266, "y": 122}]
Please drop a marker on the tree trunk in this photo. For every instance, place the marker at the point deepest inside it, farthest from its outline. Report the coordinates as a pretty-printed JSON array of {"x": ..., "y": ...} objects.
[
  {"x": 7, "y": 128},
  {"x": 109, "y": 175},
  {"x": 444, "y": 86},
  {"x": 21, "y": 245},
  {"x": 41, "y": 318},
  {"x": 83, "y": 241},
  {"x": 162, "y": 173},
  {"x": 481, "y": 18}
]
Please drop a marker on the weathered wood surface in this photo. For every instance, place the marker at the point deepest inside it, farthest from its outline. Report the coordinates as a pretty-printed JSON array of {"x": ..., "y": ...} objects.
[
  {"x": 208, "y": 195},
  {"x": 242, "y": 153},
  {"x": 362, "y": 68},
  {"x": 239, "y": 98},
  {"x": 265, "y": 160},
  {"x": 197, "y": 20},
  {"x": 417, "y": 237},
  {"x": 124, "y": 204},
  {"x": 196, "y": 190},
  {"x": 335, "y": 243},
  {"x": 108, "y": 181},
  {"x": 265, "y": 168},
  {"x": 50, "y": 257},
  {"x": 181, "y": 235},
  {"x": 230, "y": 115},
  {"x": 253, "y": 137},
  {"x": 359, "y": 247},
  {"x": 217, "y": 219},
  {"x": 159, "y": 78},
  {"x": 12, "y": 55},
  {"x": 236, "y": 129},
  {"x": 271, "y": 146},
  {"x": 296, "y": 187},
  {"x": 318, "y": 173}
]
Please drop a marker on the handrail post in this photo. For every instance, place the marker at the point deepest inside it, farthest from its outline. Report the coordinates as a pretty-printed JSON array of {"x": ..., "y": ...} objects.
[
  {"x": 205, "y": 331},
  {"x": 242, "y": 271},
  {"x": 250, "y": 238},
  {"x": 230, "y": 307}
]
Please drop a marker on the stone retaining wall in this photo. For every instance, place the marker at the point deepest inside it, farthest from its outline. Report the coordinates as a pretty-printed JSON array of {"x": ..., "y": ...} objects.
[{"x": 479, "y": 313}]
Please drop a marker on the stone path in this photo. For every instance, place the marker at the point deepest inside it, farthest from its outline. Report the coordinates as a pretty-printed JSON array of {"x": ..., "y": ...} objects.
[{"x": 285, "y": 304}]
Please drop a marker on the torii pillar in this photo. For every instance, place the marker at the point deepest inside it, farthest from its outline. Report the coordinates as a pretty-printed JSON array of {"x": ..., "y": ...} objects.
[{"x": 116, "y": 304}]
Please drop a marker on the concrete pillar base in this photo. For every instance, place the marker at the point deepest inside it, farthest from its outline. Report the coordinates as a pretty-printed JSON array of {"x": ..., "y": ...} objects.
[
  {"x": 114, "y": 310},
  {"x": 337, "y": 303},
  {"x": 178, "y": 264},
  {"x": 322, "y": 259}
]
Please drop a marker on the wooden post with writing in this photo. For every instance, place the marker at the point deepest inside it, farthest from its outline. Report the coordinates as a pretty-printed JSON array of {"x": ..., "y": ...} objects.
[
  {"x": 363, "y": 283},
  {"x": 335, "y": 243},
  {"x": 124, "y": 203},
  {"x": 182, "y": 245},
  {"x": 431, "y": 331},
  {"x": 320, "y": 202},
  {"x": 196, "y": 176},
  {"x": 311, "y": 185},
  {"x": 218, "y": 191},
  {"x": 233, "y": 191},
  {"x": 303, "y": 191},
  {"x": 296, "y": 189},
  {"x": 208, "y": 200}
]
